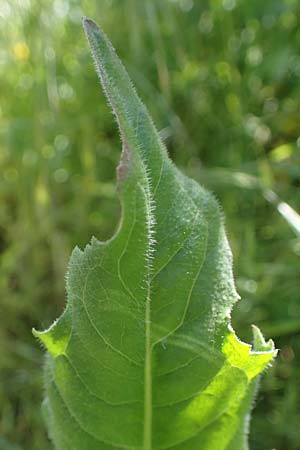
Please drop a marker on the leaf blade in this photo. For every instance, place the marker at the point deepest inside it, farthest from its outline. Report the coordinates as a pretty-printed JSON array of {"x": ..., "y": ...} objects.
[{"x": 144, "y": 356}]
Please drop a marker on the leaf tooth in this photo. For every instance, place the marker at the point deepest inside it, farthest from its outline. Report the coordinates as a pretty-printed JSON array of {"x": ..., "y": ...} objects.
[
  {"x": 259, "y": 342},
  {"x": 57, "y": 336}
]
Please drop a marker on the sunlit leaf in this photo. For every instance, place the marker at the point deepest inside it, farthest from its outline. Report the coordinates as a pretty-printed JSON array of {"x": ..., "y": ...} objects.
[{"x": 144, "y": 356}]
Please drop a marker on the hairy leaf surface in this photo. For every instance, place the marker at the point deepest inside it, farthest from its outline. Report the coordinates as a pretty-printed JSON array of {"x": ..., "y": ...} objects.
[{"x": 144, "y": 356}]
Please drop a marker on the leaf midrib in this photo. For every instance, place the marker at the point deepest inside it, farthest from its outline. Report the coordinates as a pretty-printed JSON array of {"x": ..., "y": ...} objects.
[{"x": 148, "y": 406}]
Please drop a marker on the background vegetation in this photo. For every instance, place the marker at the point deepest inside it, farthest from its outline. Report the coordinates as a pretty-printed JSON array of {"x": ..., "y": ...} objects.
[{"x": 221, "y": 78}]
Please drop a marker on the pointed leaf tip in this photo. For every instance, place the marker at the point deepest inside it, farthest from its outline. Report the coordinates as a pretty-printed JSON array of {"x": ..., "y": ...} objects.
[{"x": 90, "y": 27}]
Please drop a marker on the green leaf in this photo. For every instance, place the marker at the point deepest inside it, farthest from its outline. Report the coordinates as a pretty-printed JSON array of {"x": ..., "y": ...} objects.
[{"x": 144, "y": 356}]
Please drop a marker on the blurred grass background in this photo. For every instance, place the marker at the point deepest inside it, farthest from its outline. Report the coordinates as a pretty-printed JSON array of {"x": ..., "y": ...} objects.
[{"x": 221, "y": 79}]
